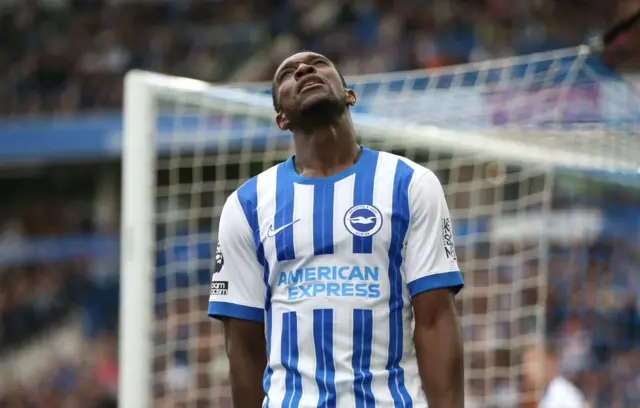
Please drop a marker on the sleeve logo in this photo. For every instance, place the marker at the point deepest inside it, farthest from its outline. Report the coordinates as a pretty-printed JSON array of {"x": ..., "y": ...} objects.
[
  {"x": 447, "y": 240},
  {"x": 219, "y": 259},
  {"x": 219, "y": 288}
]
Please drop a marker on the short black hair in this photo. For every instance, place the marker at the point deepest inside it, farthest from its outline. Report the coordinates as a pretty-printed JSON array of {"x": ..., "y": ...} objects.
[{"x": 276, "y": 106}]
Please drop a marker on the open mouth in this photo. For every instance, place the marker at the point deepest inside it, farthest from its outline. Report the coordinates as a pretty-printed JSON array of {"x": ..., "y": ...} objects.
[{"x": 312, "y": 83}]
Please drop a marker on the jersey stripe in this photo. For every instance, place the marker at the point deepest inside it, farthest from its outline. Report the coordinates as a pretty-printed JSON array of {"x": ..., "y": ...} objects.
[
  {"x": 268, "y": 372},
  {"x": 323, "y": 196},
  {"x": 293, "y": 380},
  {"x": 284, "y": 215},
  {"x": 399, "y": 227},
  {"x": 248, "y": 197},
  {"x": 325, "y": 369},
  {"x": 361, "y": 360},
  {"x": 363, "y": 194},
  {"x": 303, "y": 229}
]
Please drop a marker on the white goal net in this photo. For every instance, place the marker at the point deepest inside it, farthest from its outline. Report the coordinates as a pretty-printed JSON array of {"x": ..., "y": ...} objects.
[{"x": 497, "y": 134}]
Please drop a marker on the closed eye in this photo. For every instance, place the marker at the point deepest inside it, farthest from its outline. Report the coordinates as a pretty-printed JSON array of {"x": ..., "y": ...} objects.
[
  {"x": 320, "y": 62},
  {"x": 284, "y": 74}
]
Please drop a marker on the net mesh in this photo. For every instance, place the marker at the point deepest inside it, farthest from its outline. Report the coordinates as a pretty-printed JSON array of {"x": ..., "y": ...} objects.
[{"x": 554, "y": 110}]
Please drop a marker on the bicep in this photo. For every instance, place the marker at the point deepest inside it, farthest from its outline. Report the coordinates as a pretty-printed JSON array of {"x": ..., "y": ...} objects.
[
  {"x": 243, "y": 335},
  {"x": 434, "y": 307},
  {"x": 247, "y": 353},
  {"x": 439, "y": 351}
]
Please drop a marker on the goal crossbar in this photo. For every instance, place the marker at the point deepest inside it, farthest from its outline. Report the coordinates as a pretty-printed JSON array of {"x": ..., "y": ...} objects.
[{"x": 491, "y": 144}]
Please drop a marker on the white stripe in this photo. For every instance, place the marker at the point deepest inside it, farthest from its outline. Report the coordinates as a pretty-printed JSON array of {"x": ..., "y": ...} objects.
[
  {"x": 303, "y": 229},
  {"x": 361, "y": 366},
  {"x": 343, "y": 200},
  {"x": 303, "y": 246},
  {"x": 289, "y": 354},
  {"x": 266, "y": 210},
  {"x": 307, "y": 357},
  {"x": 383, "y": 200},
  {"x": 343, "y": 353},
  {"x": 324, "y": 356}
]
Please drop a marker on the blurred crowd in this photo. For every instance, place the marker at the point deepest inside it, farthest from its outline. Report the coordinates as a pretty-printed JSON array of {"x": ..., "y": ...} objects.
[
  {"x": 63, "y": 56},
  {"x": 89, "y": 380},
  {"x": 593, "y": 315},
  {"x": 52, "y": 272}
]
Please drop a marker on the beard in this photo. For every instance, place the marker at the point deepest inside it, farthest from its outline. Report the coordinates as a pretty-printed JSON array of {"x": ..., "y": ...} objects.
[{"x": 319, "y": 112}]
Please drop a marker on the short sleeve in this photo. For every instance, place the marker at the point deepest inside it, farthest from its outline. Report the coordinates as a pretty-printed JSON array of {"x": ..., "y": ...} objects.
[
  {"x": 430, "y": 256},
  {"x": 237, "y": 285}
]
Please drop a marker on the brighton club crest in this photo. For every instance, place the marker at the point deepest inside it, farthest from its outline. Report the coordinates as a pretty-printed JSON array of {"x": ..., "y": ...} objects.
[{"x": 363, "y": 220}]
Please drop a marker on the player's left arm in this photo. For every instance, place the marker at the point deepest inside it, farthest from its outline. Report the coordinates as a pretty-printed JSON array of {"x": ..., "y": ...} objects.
[
  {"x": 238, "y": 295},
  {"x": 433, "y": 278}
]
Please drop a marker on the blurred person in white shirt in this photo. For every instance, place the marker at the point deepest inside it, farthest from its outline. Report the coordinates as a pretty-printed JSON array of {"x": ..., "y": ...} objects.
[{"x": 541, "y": 372}]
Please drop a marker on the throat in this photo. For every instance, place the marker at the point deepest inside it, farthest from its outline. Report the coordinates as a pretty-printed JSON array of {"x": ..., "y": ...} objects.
[
  {"x": 327, "y": 150},
  {"x": 328, "y": 160}
]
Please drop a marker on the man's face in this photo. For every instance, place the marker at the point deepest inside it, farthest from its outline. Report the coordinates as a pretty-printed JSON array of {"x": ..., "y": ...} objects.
[{"x": 308, "y": 87}]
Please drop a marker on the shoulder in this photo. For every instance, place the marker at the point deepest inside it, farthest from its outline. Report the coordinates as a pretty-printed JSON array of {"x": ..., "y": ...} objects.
[
  {"x": 247, "y": 193},
  {"x": 243, "y": 202},
  {"x": 406, "y": 169}
]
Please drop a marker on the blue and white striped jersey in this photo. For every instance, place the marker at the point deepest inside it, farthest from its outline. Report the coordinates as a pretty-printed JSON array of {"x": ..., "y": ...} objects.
[{"x": 330, "y": 265}]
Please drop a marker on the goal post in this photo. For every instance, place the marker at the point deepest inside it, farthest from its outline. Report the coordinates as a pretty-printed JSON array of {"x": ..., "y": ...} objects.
[
  {"x": 497, "y": 134},
  {"x": 137, "y": 242}
]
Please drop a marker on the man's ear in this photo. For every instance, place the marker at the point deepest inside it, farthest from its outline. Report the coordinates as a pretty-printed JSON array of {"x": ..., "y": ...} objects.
[
  {"x": 282, "y": 121},
  {"x": 351, "y": 97}
]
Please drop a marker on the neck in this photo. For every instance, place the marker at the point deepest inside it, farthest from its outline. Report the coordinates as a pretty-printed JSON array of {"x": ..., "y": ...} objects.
[{"x": 326, "y": 150}]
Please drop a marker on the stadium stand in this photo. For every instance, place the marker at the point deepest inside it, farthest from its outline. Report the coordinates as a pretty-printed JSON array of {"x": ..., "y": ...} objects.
[{"x": 62, "y": 58}]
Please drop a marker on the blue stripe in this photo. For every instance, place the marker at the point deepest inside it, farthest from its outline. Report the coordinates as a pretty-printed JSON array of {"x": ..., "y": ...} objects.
[
  {"x": 323, "y": 219},
  {"x": 452, "y": 280},
  {"x": 361, "y": 360},
  {"x": 248, "y": 198},
  {"x": 363, "y": 194},
  {"x": 284, "y": 215},
  {"x": 325, "y": 369},
  {"x": 289, "y": 350},
  {"x": 268, "y": 372},
  {"x": 218, "y": 310},
  {"x": 399, "y": 226}
]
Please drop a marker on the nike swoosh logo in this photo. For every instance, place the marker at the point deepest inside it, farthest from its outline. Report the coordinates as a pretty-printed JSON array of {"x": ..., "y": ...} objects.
[{"x": 273, "y": 232}]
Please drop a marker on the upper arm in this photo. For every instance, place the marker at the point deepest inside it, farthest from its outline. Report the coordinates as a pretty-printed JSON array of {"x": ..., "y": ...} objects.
[
  {"x": 430, "y": 258},
  {"x": 237, "y": 288}
]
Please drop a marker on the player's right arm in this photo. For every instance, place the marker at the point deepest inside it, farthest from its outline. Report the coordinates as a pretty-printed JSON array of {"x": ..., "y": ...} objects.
[{"x": 237, "y": 298}]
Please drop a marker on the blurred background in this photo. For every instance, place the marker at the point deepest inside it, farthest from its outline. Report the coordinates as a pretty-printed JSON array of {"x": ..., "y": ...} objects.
[{"x": 61, "y": 70}]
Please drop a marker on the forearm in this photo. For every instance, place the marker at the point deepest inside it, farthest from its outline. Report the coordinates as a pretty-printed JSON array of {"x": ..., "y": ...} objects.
[
  {"x": 440, "y": 361},
  {"x": 246, "y": 371},
  {"x": 247, "y": 353}
]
